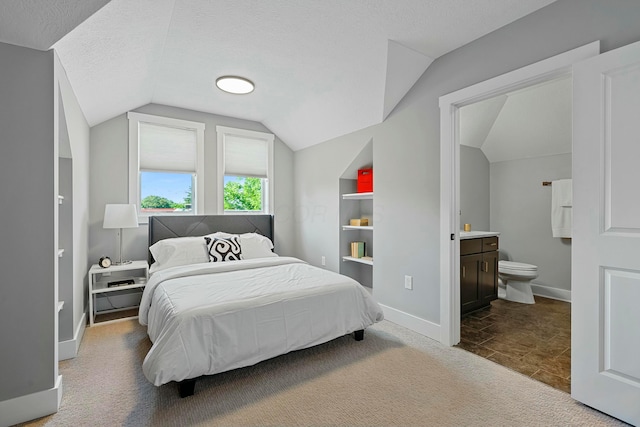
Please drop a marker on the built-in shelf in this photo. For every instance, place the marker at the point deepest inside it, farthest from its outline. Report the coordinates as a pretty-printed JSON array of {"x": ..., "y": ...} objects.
[
  {"x": 356, "y": 208},
  {"x": 102, "y": 286},
  {"x": 60, "y": 306},
  {"x": 367, "y": 261},
  {"x": 60, "y": 253},
  {"x": 358, "y": 227},
  {"x": 358, "y": 196}
]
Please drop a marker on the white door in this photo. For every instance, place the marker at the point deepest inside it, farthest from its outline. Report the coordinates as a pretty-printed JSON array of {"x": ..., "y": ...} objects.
[{"x": 605, "y": 344}]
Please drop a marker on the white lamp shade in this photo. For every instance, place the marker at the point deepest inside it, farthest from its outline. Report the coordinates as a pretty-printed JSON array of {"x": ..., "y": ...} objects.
[{"x": 120, "y": 216}]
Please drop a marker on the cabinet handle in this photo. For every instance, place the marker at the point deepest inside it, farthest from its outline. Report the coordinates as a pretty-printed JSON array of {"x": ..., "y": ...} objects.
[
  {"x": 486, "y": 266},
  {"x": 464, "y": 271}
]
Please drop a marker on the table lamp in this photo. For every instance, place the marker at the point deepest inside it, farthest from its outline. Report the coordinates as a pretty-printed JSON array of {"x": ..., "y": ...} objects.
[{"x": 120, "y": 216}]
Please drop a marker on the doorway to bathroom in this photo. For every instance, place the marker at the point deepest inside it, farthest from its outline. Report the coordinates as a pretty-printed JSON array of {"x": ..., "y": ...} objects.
[
  {"x": 489, "y": 123},
  {"x": 512, "y": 147}
]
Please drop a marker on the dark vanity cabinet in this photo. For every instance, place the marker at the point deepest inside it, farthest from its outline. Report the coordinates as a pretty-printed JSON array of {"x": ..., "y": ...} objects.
[{"x": 478, "y": 273}]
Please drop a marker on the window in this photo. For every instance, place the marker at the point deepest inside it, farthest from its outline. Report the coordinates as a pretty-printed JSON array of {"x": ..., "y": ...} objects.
[
  {"x": 166, "y": 159},
  {"x": 245, "y": 171}
]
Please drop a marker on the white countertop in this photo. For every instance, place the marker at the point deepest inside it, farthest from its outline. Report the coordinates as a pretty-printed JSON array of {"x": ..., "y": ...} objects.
[{"x": 476, "y": 234}]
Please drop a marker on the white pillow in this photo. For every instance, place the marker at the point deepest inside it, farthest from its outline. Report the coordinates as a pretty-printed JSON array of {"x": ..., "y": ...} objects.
[
  {"x": 222, "y": 235},
  {"x": 178, "y": 251},
  {"x": 255, "y": 245}
]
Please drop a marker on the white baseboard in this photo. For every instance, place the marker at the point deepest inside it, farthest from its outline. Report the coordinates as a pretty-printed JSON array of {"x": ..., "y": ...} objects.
[
  {"x": 69, "y": 349},
  {"x": 31, "y": 406},
  {"x": 409, "y": 321},
  {"x": 549, "y": 292}
]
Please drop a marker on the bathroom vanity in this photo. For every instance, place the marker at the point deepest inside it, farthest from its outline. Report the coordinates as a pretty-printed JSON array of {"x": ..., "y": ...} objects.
[{"x": 478, "y": 269}]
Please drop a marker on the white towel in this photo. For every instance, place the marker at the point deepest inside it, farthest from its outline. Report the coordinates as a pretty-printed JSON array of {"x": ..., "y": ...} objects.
[{"x": 561, "y": 203}]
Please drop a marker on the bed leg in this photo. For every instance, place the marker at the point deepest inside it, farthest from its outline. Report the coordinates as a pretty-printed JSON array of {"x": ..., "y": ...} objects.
[
  {"x": 359, "y": 335},
  {"x": 186, "y": 388}
]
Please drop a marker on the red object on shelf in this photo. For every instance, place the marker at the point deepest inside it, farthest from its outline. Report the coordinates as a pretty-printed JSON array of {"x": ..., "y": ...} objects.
[{"x": 365, "y": 180}]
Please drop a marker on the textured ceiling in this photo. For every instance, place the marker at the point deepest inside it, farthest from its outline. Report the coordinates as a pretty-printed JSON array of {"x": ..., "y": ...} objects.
[
  {"x": 531, "y": 122},
  {"x": 322, "y": 68},
  {"x": 38, "y": 24}
]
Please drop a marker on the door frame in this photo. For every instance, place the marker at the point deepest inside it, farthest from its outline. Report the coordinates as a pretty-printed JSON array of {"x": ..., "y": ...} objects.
[{"x": 539, "y": 72}]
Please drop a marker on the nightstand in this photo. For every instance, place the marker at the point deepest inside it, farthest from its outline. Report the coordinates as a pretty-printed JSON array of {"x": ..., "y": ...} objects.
[{"x": 99, "y": 280}]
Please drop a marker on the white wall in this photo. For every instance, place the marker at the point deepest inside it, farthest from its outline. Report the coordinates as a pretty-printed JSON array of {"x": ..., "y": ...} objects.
[
  {"x": 533, "y": 122},
  {"x": 109, "y": 180},
  {"x": 521, "y": 212},
  {"x": 406, "y": 147}
]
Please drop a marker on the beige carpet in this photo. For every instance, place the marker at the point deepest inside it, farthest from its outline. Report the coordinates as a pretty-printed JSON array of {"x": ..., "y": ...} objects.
[{"x": 393, "y": 377}]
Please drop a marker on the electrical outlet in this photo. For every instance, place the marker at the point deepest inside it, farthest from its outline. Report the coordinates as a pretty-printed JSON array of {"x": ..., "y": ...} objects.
[
  {"x": 408, "y": 282},
  {"x": 324, "y": 261}
]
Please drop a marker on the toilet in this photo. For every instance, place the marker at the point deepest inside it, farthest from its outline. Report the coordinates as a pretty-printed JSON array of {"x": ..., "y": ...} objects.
[{"x": 514, "y": 281}]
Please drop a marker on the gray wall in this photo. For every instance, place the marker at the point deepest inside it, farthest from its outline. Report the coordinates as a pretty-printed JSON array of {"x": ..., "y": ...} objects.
[
  {"x": 317, "y": 172},
  {"x": 403, "y": 222},
  {"x": 65, "y": 241},
  {"x": 77, "y": 130},
  {"x": 474, "y": 189},
  {"x": 521, "y": 212},
  {"x": 407, "y": 152},
  {"x": 110, "y": 174},
  {"x": 28, "y": 168}
]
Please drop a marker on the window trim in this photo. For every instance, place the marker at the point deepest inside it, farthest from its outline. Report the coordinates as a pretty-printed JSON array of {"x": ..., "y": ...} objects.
[
  {"x": 222, "y": 131},
  {"x": 134, "y": 158}
]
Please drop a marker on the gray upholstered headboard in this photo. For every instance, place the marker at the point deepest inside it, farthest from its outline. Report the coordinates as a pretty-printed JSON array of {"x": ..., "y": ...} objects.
[{"x": 166, "y": 227}]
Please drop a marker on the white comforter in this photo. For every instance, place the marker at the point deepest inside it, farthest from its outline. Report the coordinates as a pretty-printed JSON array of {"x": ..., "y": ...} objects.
[{"x": 213, "y": 317}]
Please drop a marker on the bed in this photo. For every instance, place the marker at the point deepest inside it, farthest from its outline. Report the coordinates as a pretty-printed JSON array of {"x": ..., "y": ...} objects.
[{"x": 238, "y": 303}]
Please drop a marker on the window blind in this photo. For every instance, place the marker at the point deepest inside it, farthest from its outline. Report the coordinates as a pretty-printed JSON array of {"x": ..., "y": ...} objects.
[
  {"x": 164, "y": 148},
  {"x": 245, "y": 156}
]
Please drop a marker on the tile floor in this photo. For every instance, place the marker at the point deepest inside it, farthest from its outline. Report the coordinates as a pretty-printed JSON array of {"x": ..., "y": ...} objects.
[{"x": 533, "y": 339}]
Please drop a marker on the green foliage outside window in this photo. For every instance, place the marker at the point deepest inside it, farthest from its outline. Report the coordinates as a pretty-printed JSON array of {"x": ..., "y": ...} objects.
[
  {"x": 240, "y": 194},
  {"x": 156, "y": 202},
  {"x": 159, "y": 202},
  {"x": 243, "y": 194}
]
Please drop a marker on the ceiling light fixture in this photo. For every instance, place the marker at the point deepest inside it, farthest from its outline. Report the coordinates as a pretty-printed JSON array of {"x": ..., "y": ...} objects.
[{"x": 235, "y": 84}]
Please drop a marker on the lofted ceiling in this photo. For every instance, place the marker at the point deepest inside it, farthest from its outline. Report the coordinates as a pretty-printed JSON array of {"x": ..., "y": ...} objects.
[
  {"x": 531, "y": 122},
  {"x": 321, "y": 68}
]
